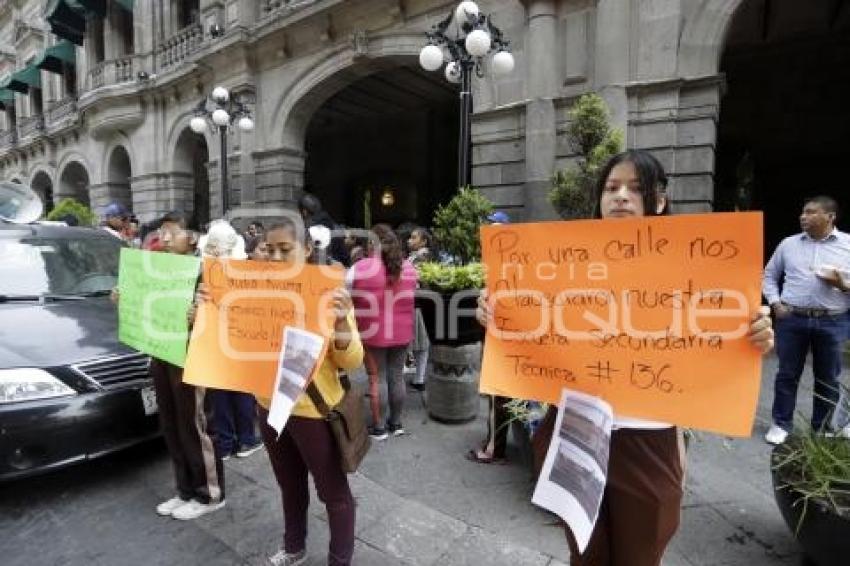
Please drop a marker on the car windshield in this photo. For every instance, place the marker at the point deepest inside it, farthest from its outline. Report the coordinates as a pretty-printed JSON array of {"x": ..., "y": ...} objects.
[{"x": 32, "y": 265}]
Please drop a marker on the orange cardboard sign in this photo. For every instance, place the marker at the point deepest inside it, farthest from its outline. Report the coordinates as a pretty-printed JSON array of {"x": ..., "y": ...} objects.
[
  {"x": 650, "y": 314},
  {"x": 237, "y": 336}
]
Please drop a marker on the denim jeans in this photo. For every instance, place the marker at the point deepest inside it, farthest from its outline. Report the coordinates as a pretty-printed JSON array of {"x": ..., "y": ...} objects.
[
  {"x": 234, "y": 414},
  {"x": 795, "y": 336}
]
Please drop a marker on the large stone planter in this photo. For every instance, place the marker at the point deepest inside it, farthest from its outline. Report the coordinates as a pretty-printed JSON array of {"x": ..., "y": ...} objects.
[
  {"x": 823, "y": 534},
  {"x": 452, "y": 384},
  {"x": 449, "y": 317}
]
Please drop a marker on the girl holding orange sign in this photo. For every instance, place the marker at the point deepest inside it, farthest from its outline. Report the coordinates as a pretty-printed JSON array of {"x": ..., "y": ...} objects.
[{"x": 639, "y": 513}]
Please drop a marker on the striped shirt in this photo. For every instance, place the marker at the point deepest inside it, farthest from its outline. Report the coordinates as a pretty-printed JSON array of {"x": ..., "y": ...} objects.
[{"x": 793, "y": 266}]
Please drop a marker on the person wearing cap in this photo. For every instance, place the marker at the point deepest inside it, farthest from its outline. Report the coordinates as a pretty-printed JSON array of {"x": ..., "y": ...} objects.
[{"x": 115, "y": 217}]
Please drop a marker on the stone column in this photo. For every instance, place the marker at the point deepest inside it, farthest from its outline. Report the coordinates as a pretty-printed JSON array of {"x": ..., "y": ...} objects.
[
  {"x": 543, "y": 85},
  {"x": 613, "y": 33},
  {"x": 279, "y": 178},
  {"x": 155, "y": 194}
]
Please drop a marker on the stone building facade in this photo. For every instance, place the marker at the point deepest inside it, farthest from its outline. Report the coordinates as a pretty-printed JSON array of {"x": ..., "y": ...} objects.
[{"x": 118, "y": 128}]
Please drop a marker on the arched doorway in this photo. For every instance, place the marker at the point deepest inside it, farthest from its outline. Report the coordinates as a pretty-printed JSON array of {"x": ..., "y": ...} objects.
[
  {"x": 392, "y": 132},
  {"x": 784, "y": 120},
  {"x": 74, "y": 182},
  {"x": 190, "y": 162},
  {"x": 42, "y": 185},
  {"x": 118, "y": 177}
]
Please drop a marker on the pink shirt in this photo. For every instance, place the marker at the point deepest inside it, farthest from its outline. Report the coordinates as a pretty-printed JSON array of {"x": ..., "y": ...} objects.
[{"x": 384, "y": 313}]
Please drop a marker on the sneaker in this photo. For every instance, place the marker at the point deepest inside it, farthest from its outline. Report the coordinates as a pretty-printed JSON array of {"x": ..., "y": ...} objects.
[
  {"x": 246, "y": 450},
  {"x": 776, "y": 435},
  {"x": 283, "y": 558},
  {"x": 194, "y": 509},
  {"x": 378, "y": 433},
  {"x": 166, "y": 508},
  {"x": 395, "y": 430},
  {"x": 226, "y": 457}
]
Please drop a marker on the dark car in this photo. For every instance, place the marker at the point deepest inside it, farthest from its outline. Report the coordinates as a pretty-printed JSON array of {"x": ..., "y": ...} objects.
[{"x": 69, "y": 391}]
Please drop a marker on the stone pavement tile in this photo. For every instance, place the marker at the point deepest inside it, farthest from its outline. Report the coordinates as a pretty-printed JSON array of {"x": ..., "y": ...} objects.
[
  {"x": 373, "y": 501},
  {"x": 709, "y": 538},
  {"x": 479, "y": 547},
  {"x": 414, "y": 532}
]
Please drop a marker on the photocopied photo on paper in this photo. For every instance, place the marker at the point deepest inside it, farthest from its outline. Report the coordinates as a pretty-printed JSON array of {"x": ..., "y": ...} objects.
[
  {"x": 572, "y": 481},
  {"x": 298, "y": 357}
]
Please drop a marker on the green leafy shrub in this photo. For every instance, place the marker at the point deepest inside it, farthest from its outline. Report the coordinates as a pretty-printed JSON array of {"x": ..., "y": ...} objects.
[
  {"x": 456, "y": 224},
  {"x": 83, "y": 214},
  {"x": 592, "y": 137},
  {"x": 448, "y": 278}
]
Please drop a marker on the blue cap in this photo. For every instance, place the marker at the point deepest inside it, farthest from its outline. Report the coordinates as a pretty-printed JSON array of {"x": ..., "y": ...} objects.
[
  {"x": 115, "y": 209},
  {"x": 499, "y": 217}
]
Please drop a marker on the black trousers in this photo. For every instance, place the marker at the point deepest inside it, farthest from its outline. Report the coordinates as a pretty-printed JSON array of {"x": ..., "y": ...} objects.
[{"x": 184, "y": 414}]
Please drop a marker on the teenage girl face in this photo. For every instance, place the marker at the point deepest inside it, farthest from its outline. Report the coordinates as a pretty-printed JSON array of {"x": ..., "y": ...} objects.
[
  {"x": 177, "y": 240},
  {"x": 416, "y": 241},
  {"x": 281, "y": 245},
  {"x": 621, "y": 197}
]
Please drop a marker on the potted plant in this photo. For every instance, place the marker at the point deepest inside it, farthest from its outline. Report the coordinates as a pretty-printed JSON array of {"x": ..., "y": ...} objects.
[
  {"x": 594, "y": 141},
  {"x": 811, "y": 481},
  {"x": 447, "y": 300}
]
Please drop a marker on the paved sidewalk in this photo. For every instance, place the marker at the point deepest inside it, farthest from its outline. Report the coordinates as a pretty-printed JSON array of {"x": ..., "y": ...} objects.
[{"x": 419, "y": 502}]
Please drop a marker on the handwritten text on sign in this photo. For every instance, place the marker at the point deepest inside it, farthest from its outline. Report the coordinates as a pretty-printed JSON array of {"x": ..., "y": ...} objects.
[
  {"x": 237, "y": 336},
  {"x": 649, "y": 313},
  {"x": 156, "y": 290}
]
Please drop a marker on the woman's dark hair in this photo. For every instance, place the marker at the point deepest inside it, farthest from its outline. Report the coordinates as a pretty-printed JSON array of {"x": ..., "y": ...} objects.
[
  {"x": 425, "y": 235},
  {"x": 651, "y": 176},
  {"x": 391, "y": 253}
]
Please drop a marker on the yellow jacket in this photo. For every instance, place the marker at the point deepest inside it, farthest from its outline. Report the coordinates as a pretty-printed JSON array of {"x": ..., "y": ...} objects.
[{"x": 327, "y": 379}]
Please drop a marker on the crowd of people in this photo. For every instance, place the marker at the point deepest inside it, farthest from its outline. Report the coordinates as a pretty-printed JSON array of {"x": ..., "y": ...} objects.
[{"x": 378, "y": 328}]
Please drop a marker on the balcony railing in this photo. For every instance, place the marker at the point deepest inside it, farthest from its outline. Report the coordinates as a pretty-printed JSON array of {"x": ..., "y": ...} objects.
[
  {"x": 114, "y": 71},
  {"x": 272, "y": 7},
  {"x": 31, "y": 125},
  {"x": 179, "y": 46},
  {"x": 8, "y": 138},
  {"x": 61, "y": 109}
]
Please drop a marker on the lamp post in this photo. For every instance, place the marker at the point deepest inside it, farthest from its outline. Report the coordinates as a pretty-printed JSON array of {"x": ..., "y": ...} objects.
[
  {"x": 219, "y": 112},
  {"x": 474, "y": 37}
]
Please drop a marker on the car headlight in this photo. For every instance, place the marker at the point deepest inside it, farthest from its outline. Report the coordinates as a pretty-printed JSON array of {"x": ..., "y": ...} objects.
[{"x": 30, "y": 384}]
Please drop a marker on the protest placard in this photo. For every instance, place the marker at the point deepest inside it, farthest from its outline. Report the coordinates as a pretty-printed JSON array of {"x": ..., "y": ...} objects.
[
  {"x": 156, "y": 290},
  {"x": 237, "y": 337},
  {"x": 651, "y": 314}
]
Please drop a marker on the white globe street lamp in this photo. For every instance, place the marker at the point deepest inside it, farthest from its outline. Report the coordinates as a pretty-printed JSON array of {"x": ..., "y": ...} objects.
[
  {"x": 220, "y": 94},
  {"x": 198, "y": 125},
  {"x": 453, "y": 72},
  {"x": 220, "y": 117},
  {"x": 431, "y": 57},
  {"x": 478, "y": 43},
  {"x": 465, "y": 11},
  {"x": 503, "y": 63},
  {"x": 226, "y": 111},
  {"x": 246, "y": 124},
  {"x": 472, "y": 38}
]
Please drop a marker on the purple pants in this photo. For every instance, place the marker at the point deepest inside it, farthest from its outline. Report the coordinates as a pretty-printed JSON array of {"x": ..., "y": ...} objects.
[{"x": 306, "y": 445}]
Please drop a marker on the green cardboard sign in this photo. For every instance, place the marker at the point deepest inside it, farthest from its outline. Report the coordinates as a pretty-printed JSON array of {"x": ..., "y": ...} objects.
[{"x": 156, "y": 290}]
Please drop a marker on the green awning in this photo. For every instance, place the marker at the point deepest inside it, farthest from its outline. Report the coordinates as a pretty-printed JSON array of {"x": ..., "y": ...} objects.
[
  {"x": 21, "y": 81},
  {"x": 126, "y": 4},
  {"x": 6, "y": 97},
  {"x": 56, "y": 56},
  {"x": 67, "y": 19}
]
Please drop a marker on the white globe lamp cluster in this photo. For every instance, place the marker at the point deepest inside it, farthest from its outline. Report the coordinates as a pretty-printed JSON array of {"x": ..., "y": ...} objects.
[
  {"x": 220, "y": 117},
  {"x": 477, "y": 41}
]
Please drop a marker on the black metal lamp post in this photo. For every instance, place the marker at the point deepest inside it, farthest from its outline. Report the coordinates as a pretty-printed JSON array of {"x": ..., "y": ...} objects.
[
  {"x": 219, "y": 112},
  {"x": 473, "y": 39}
]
